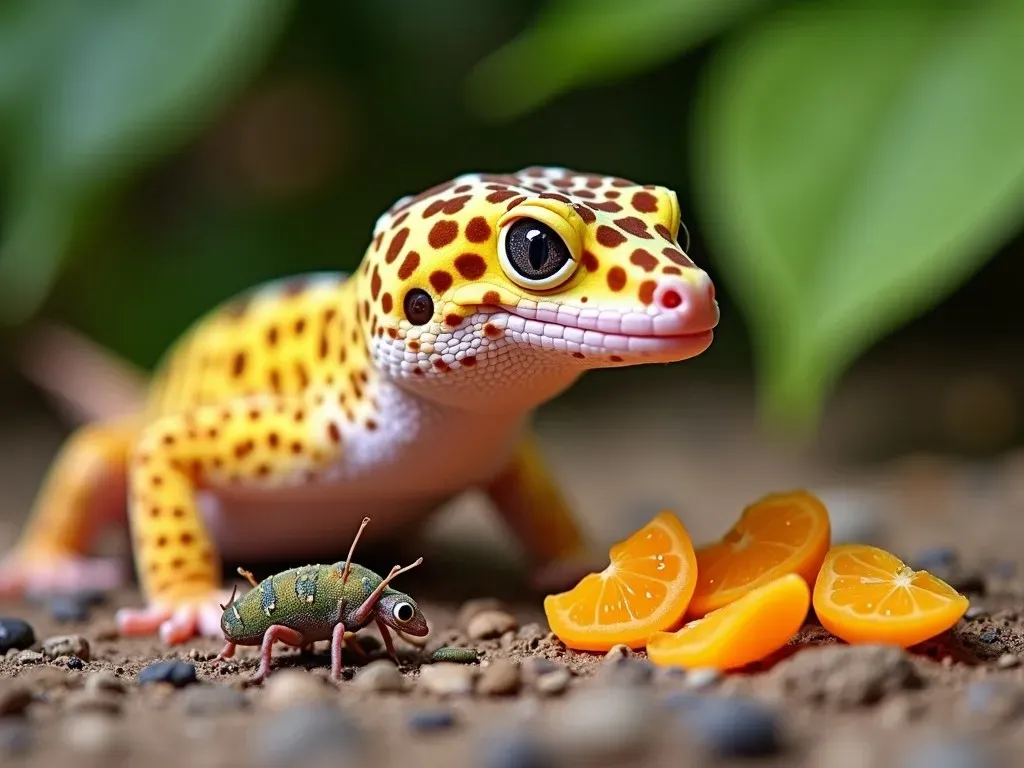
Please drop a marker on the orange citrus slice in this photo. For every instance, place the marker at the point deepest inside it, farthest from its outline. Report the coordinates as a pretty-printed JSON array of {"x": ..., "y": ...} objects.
[
  {"x": 779, "y": 534},
  {"x": 867, "y": 595},
  {"x": 746, "y": 630},
  {"x": 645, "y": 588}
]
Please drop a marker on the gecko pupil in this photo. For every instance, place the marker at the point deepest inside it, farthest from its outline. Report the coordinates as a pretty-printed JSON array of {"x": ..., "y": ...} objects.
[
  {"x": 535, "y": 250},
  {"x": 419, "y": 307}
]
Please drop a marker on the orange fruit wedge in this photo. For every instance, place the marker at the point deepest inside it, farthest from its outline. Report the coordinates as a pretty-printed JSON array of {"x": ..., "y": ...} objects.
[
  {"x": 779, "y": 534},
  {"x": 645, "y": 588},
  {"x": 867, "y": 595},
  {"x": 746, "y": 630}
]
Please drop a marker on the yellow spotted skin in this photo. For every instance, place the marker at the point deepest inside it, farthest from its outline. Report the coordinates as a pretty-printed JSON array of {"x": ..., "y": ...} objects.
[{"x": 399, "y": 386}]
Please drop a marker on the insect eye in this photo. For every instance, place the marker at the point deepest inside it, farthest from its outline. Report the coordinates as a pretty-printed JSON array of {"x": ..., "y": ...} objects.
[
  {"x": 533, "y": 255},
  {"x": 404, "y": 612},
  {"x": 419, "y": 307}
]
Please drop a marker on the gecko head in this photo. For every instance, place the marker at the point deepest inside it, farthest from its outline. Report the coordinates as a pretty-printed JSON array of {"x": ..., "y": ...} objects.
[
  {"x": 400, "y": 612},
  {"x": 498, "y": 291}
]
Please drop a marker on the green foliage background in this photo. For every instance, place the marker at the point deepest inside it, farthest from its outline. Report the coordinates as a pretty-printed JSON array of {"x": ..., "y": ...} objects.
[{"x": 844, "y": 166}]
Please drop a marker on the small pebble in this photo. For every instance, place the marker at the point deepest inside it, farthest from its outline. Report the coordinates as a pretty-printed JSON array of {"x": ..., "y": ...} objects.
[
  {"x": 1008, "y": 661},
  {"x": 104, "y": 681},
  {"x": 975, "y": 611},
  {"x": 68, "y": 608},
  {"x": 552, "y": 683},
  {"x": 66, "y": 645},
  {"x": 456, "y": 655},
  {"x": 513, "y": 749},
  {"x": 177, "y": 673},
  {"x": 428, "y": 720},
  {"x": 15, "y": 633},
  {"x": 734, "y": 727},
  {"x": 290, "y": 688},
  {"x": 489, "y": 624},
  {"x": 499, "y": 678},
  {"x": 447, "y": 679},
  {"x": 90, "y": 732},
  {"x": 989, "y": 636},
  {"x": 16, "y": 738},
  {"x": 471, "y": 608},
  {"x": 701, "y": 678},
  {"x": 93, "y": 701},
  {"x": 30, "y": 657},
  {"x": 946, "y": 753},
  {"x": 203, "y": 700},
  {"x": 312, "y": 733},
  {"x": 625, "y": 670},
  {"x": 535, "y": 666},
  {"x": 75, "y": 663},
  {"x": 619, "y": 651},
  {"x": 605, "y": 724},
  {"x": 14, "y": 697},
  {"x": 380, "y": 675}
]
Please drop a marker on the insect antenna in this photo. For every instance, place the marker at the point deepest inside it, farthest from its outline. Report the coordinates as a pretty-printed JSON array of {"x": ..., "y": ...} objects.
[
  {"x": 248, "y": 576},
  {"x": 352, "y": 549},
  {"x": 398, "y": 570},
  {"x": 234, "y": 591}
]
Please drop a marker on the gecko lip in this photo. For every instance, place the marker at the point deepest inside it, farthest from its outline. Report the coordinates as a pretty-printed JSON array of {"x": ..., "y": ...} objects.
[{"x": 633, "y": 334}]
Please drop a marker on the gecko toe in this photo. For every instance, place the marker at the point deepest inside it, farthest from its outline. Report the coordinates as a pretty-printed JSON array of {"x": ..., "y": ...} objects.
[{"x": 141, "y": 621}]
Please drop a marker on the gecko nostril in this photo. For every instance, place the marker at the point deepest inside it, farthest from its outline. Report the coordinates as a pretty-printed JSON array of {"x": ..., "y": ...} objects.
[{"x": 671, "y": 299}]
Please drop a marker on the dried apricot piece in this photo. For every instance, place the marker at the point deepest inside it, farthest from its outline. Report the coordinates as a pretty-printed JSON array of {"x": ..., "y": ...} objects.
[
  {"x": 645, "y": 588},
  {"x": 744, "y": 631},
  {"x": 780, "y": 533},
  {"x": 867, "y": 595}
]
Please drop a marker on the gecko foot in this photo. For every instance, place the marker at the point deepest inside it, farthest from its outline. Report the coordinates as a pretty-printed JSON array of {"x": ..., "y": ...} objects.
[
  {"x": 23, "y": 574},
  {"x": 175, "y": 624}
]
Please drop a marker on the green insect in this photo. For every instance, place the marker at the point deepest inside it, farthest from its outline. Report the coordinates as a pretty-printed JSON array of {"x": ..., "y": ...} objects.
[{"x": 304, "y": 605}]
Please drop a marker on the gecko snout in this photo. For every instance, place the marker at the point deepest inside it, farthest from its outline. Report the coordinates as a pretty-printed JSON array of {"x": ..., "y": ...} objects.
[{"x": 687, "y": 305}]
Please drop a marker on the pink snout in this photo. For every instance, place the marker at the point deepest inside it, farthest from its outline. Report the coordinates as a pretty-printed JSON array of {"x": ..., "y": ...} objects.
[{"x": 687, "y": 305}]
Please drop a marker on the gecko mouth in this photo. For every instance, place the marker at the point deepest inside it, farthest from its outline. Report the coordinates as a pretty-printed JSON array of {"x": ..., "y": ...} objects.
[{"x": 593, "y": 332}]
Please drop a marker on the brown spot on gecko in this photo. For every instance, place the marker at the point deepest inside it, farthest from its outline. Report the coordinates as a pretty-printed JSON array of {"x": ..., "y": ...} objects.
[
  {"x": 645, "y": 202},
  {"x": 471, "y": 266},
  {"x": 478, "y": 230},
  {"x": 396, "y": 245},
  {"x": 608, "y": 237},
  {"x": 387, "y": 303},
  {"x": 644, "y": 259},
  {"x": 441, "y": 280},
  {"x": 238, "y": 364},
  {"x": 646, "y": 292},
  {"x": 491, "y": 297},
  {"x": 616, "y": 278},
  {"x": 634, "y": 226},
  {"x": 590, "y": 262},
  {"x": 409, "y": 265},
  {"x": 443, "y": 233}
]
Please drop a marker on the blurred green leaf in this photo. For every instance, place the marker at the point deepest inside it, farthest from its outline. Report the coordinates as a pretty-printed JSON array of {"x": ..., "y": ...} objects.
[
  {"x": 856, "y": 163},
  {"x": 579, "y": 42},
  {"x": 90, "y": 92}
]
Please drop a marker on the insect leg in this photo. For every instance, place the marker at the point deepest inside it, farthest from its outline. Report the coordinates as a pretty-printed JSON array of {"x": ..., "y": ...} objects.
[
  {"x": 286, "y": 635},
  {"x": 227, "y": 653},
  {"x": 388, "y": 642},
  {"x": 337, "y": 646}
]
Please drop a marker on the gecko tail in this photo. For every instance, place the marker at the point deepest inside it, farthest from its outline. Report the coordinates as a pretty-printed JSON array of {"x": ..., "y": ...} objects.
[{"x": 85, "y": 381}]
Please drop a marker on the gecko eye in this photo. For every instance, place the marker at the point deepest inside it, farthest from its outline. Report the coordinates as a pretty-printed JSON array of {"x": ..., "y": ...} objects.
[
  {"x": 533, "y": 255},
  {"x": 419, "y": 307},
  {"x": 404, "y": 612}
]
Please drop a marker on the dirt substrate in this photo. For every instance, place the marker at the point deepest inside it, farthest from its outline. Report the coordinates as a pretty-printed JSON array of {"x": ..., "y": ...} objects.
[{"x": 529, "y": 702}]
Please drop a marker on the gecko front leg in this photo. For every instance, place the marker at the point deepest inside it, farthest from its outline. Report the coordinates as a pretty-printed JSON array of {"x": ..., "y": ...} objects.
[
  {"x": 527, "y": 499},
  {"x": 84, "y": 489},
  {"x": 254, "y": 442}
]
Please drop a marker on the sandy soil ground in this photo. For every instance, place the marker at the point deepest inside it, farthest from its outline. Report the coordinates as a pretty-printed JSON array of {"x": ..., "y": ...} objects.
[{"x": 818, "y": 703}]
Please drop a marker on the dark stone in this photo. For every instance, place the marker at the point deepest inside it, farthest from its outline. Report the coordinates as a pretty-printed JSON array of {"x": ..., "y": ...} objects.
[
  {"x": 514, "y": 750},
  {"x": 76, "y": 663},
  {"x": 426, "y": 720},
  {"x": 68, "y": 608},
  {"x": 989, "y": 636},
  {"x": 15, "y": 633},
  {"x": 177, "y": 673},
  {"x": 734, "y": 727}
]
